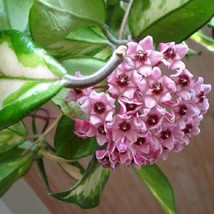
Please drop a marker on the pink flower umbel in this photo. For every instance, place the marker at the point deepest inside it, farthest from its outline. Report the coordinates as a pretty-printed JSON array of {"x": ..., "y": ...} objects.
[{"x": 145, "y": 113}]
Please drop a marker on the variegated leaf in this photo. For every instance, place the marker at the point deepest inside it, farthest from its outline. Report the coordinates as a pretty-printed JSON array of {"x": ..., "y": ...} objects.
[
  {"x": 168, "y": 20},
  {"x": 13, "y": 165},
  {"x": 86, "y": 193},
  {"x": 28, "y": 76},
  {"x": 12, "y": 136}
]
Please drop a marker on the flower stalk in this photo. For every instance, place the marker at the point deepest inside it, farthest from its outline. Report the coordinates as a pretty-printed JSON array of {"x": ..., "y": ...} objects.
[{"x": 82, "y": 82}]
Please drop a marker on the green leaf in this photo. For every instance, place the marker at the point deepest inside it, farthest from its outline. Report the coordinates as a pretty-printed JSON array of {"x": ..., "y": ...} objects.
[
  {"x": 86, "y": 193},
  {"x": 13, "y": 165},
  {"x": 114, "y": 17},
  {"x": 14, "y": 15},
  {"x": 62, "y": 17},
  {"x": 82, "y": 42},
  {"x": 204, "y": 40},
  {"x": 167, "y": 20},
  {"x": 12, "y": 136},
  {"x": 68, "y": 145},
  {"x": 159, "y": 186},
  {"x": 28, "y": 76},
  {"x": 86, "y": 65},
  {"x": 68, "y": 108}
]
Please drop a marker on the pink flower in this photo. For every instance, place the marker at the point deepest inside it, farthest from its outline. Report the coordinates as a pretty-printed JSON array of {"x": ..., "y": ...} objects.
[
  {"x": 124, "y": 83},
  {"x": 123, "y": 126},
  {"x": 172, "y": 54},
  {"x": 201, "y": 90},
  {"x": 99, "y": 106},
  {"x": 144, "y": 55},
  {"x": 184, "y": 83},
  {"x": 157, "y": 88},
  {"x": 81, "y": 127}
]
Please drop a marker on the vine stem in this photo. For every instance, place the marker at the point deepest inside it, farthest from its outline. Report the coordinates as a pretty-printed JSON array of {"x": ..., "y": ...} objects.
[
  {"x": 86, "y": 81},
  {"x": 42, "y": 117},
  {"x": 125, "y": 19},
  {"x": 42, "y": 136}
]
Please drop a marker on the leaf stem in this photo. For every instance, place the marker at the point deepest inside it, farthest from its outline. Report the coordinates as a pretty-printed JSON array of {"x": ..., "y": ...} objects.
[
  {"x": 53, "y": 157},
  {"x": 125, "y": 20},
  {"x": 111, "y": 38},
  {"x": 86, "y": 81}
]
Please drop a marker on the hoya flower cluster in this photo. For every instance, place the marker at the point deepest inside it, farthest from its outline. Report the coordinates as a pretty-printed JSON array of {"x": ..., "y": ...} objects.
[{"x": 144, "y": 113}]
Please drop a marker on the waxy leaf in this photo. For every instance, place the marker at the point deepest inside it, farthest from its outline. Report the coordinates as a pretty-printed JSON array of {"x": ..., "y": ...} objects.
[
  {"x": 86, "y": 65},
  {"x": 68, "y": 145},
  {"x": 86, "y": 193},
  {"x": 82, "y": 42},
  {"x": 14, "y": 14},
  {"x": 62, "y": 17},
  {"x": 12, "y": 136},
  {"x": 204, "y": 40},
  {"x": 159, "y": 186},
  {"x": 68, "y": 108},
  {"x": 13, "y": 165},
  {"x": 28, "y": 76},
  {"x": 169, "y": 20}
]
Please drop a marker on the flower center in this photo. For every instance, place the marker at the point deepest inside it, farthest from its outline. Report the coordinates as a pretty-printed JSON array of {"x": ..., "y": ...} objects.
[
  {"x": 183, "y": 110},
  {"x": 169, "y": 53},
  {"x": 101, "y": 130},
  {"x": 183, "y": 80},
  {"x": 157, "y": 88},
  {"x": 122, "y": 80},
  {"x": 130, "y": 106},
  {"x": 124, "y": 126},
  {"x": 78, "y": 91},
  {"x": 152, "y": 119},
  {"x": 140, "y": 141},
  {"x": 201, "y": 97},
  {"x": 99, "y": 107},
  {"x": 188, "y": 128},
  {"x": 165, "y": 134},
  {"x": 141, "y": 56}
]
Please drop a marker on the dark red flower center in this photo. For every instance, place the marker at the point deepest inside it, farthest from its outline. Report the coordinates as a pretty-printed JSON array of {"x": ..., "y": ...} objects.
[
  {"x": 101, "y": 130},
  {"x": 188, "y": 128},
  {"x": 165, "y": 134},
  {"x": 140, "y": 141},
  {"x": 157, "y": 88},
  {"x": 124, "y": 126},
  {"x": 183, "y": 80},
  {"x": 78, "y": 91},
  {"x": 130, "y": 106},
  {"x": 99, "y": 107},
  {"x": 183, "y": 110},
  {"x": 201, "y": 97},
  {"x": 152, "y": 119},
  {"x": 141, "y": 56},
  {"x": 122, "y": 80},
  {"x": 169, "y": 53}
]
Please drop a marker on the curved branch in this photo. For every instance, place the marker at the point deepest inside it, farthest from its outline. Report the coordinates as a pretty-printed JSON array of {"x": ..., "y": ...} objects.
[{"x": 86, "y": 81}]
